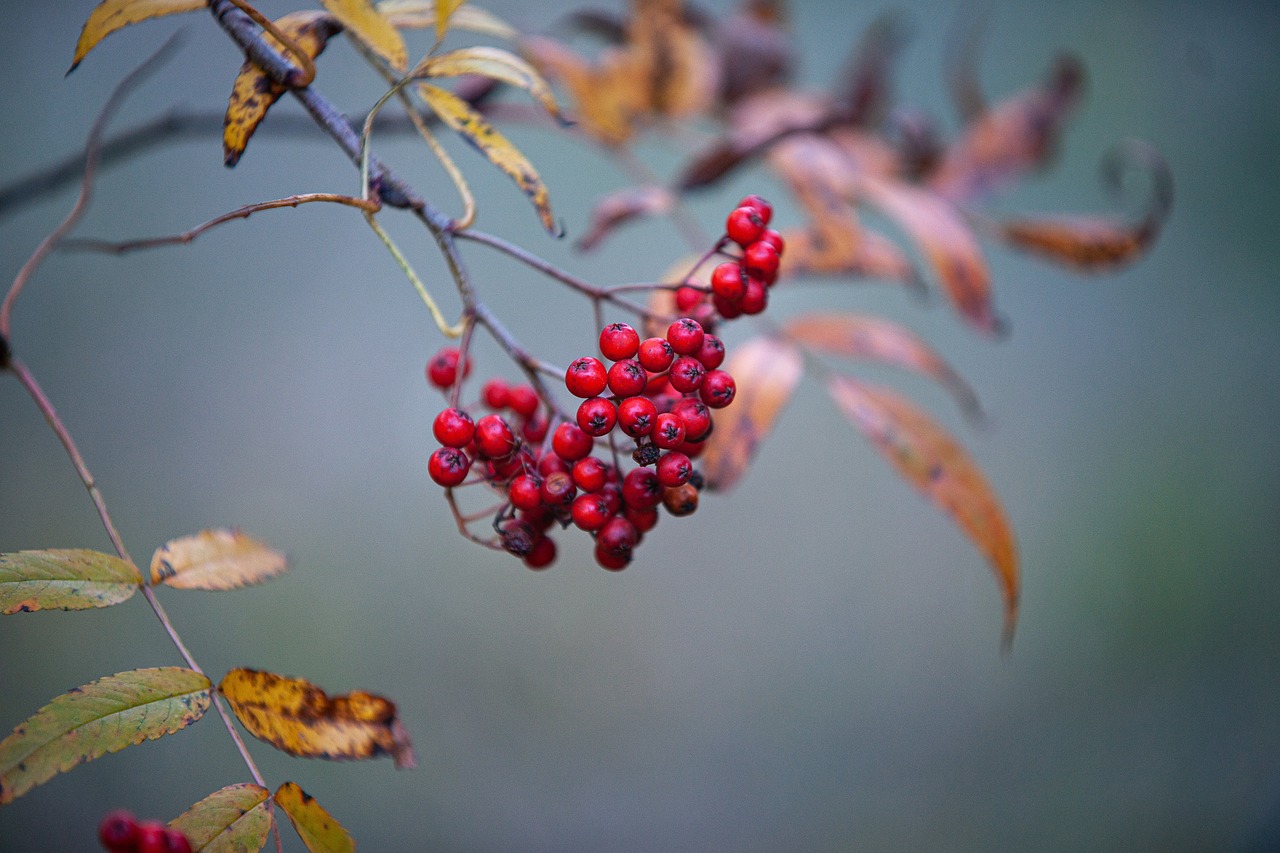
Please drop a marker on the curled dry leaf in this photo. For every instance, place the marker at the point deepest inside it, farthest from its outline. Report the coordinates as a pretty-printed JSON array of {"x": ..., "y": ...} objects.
[
  {"x": 253, "y": 92},
  {"x": 102, "y": 716},
  {"x": 315, "y": 826},
  {"x": 419, "y": 14},
  {"x": 230, "y": 820},
  {"x": 622, "y": 206},
  {"x": 297, "y": 717},
  {"x": 111, "y": 15},
  {"x": 755, "y": 53},
  {"x": 64, "y": 579},
  {"x": 766, "y": 371},
  {"x": 372, "y": 28},
  {"x": 928, "y": 458},
  {"x": 865, "y": 337},
  {"x": 215, "y": 560},
  {"x": 476, "y": 130}
]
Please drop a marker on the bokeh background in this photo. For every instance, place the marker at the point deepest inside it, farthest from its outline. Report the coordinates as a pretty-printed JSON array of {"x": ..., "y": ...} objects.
[{"x": 812, "y": 663}]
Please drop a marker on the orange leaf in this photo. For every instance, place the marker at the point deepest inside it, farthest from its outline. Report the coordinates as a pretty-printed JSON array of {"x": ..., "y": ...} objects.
[
  {"x": 253, "y": 92},
  {"x": 927, "y": 457},
  {"x": 861, "y": 336},
  {"x": 766, "y": 372},
  {"x": 372, "y": 28},
  {"x": 110, "y": 15},
  {"x": 607, "y": 95},
  {"x": 297, "y": 717}
]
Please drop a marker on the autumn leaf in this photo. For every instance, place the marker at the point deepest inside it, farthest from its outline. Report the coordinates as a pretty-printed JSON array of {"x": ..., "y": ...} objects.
[
  {"x": 253, "y": 92},
  {"x": 233, "y": 819},
  {"x": 476, "y": 130},
  {"x": 372, "y": 28},
  {"x": 496, "y": 64},
  {"x": 71, "y": 579},
  {"x": 418, "y": 14},
  {"x": 102, "y": 716},
  {"x": 766, "y": 371},
  {"x": 444, "y": 11},
  {"x": 111, "y": 15},
  {"x": 297, "y": 717},
  {"x": 621, "y": 207},
  {"x": 215, "y": 560},
  {"x": 316, "y": 827},
  {"x": 928, "y": 458},
  {"x": 864, "y": 337},
  {"x": 607, "y": 100}
]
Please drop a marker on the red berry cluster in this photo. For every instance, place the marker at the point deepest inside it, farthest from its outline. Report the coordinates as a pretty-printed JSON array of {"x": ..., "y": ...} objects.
[
  {"x": 121, "y": 832},
  {"x": 741, "y": 286}
]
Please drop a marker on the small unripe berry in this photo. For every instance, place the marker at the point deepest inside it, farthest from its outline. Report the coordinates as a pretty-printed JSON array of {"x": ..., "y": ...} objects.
[
  {"x": 494, "y": 438},
  {"x": 685, "y": 336},
  {"x": 744, "y": 225},
  {"x": 597, "y": 416},
  {"x": 686, "y": 374},
  {"x": 627, "y": 378},
  {"x": 718, "y": 389},
  {"x": 570, "y": 443},
  {"x": 522, "y": 400},
  {"x": 586, "y": 377},
  {"x": 453, "y": 428},
  {"x": 656, "y": 355},
  {"x": 619, "y": 341},
  {"x": 636, "y": 416},
  {"x": 727, "y": 282},
  {"x": 674, "y": 469},
  {"x": 118, "y": 831},
  {"x": 448, "y": 466}
]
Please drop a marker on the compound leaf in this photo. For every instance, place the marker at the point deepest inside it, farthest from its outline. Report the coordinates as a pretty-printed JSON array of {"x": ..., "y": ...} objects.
[
  {"x": 297, "y": 717},
  {"x": 111, "y": 15},
  {"x": 475, "y": 129},
  {"x": 64, "y": 579},
  {"x": 315, "y": 826},
  {"x": 234, "y": 819},
  {"x": 372, "y": 28},
  {"x": 928, "y": 458},
  {"x": 215, "y": 560},
  {"x": 102, "y": 716}
]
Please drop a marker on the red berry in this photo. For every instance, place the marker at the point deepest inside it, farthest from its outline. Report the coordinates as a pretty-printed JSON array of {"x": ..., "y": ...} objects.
[
  {"x": 727, "y": 309},
  {"x": 744, "y": 225},
  {"x": 681, "y": 500},
  {"x": 539, "y": 519},
  {"x": 151, "y": 837},
  {"x": 525, "y": 492},
  {"x": 627, "y": 378},
  {"x": 597, "y": 416},
  {"x": 612, "y": 562},
  {"x": 590, "y": 512},
  {"x": 519, "y": 537},
  {"x": 494, "y": 438},
  {"x": 586, "y": 377},
  {"x": 504, "y": 469},
  {"x": 686, "y": 374},
  {"x": 523, "y": 400},
  {"x": 712, "y": 353},
  {"x": 674, "y": 469},
  {"x": 718, "y": 389},
  {"x": 570, "y": 443},
  {"x": 774, "y": 239},
  {"x": 590, "y": 474},
  {"x": 619, "y": 341},
  {"x": 762, "y": 207},
  {"x": 727, "y": 282},
  {"x": 612, "y": 494},
  {"x": 534, "y": 430},
  {"x": 495, "y": 393},
  {"x": 558, "y": 489},
  {"x": 551, "y": 463},
  {"x": 636, "y": 416},
  {"x": 687, "y": 298},
  {"x": 643, "y": 520},
  {"x": 685, "y": 336},
  {"x": 656, "y": 355},
  {"x": 542, "y": 555},
  {"x": 641, "y": 489},
  {"x": 693, "y": 449},
  {"x": 761, "y": 259},
  {"x": 657, "y": 386},
  {"x": 696, "y": 418},
  {"x": 176, "y": 841},
  {"x": 448, "y": 466},
  {"x": 668, "y": 431},
  {"x": 453, "y": 428},
  {"x": 118, "y": 831},
  {"x": 756, "y": 298},
  {"x": 442, "y": 370},
  {"x": 617, "y": 537}
]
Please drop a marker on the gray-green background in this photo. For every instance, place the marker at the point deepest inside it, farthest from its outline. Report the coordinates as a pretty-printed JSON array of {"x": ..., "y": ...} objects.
[{"x": 811, "y": 663}]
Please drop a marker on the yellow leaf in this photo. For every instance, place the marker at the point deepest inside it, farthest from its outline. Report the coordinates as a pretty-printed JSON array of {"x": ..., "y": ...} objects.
[
  {"x": 928, "y": 458},
  {"x": 444, "y": 11},
  {"x": 315, "y": 826},
  {"x": 609, "y": 96},
  {"x": 417, "y": 14},
  {"x": 216, "y": 560},
  {"x": 253, "y": 92},
  {"x": 473, "y": 127},
  {"x": 297, "y": 717},
  {"x": 372, "y": 29},
  {"x": 110, "y": 15},
  {"x": 497, "y": 64}
]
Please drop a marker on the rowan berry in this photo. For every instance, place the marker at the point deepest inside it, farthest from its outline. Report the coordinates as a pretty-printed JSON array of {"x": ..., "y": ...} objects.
[
  {"x": 448, "y": 466},
  {"x": 643, "y": 520},
  {"x": 177, "y": 842},
  {"x": 502, "y": 470},
  {"x": 539, "y": 519},
  {"x": 774, "y": 239},
  {"x": 685, "y": 336},
  {"x": 674, "y": 469},
  {"x": 619, "y": 341},
  {"x": 712, "y": 353},
  {"x": 696, "y": 418},
  {"x": 523, "y": 400},
  {"x": 656, "y": 354},
  {"x": 612, "y": 495},
  {"x": 551, "y": 463},
  {"x": 668, "y": 431},
  {"x": 525, "y": 491},
  {"x": 534, "y": 430},
  {"x": 155, "y": 837},
  {"x": 453, "y": 428},
  {"x": 756, "y": 298},
  {"x": 636, "y": 416},
  {"x": 727, "y": 309},
  {"x": 542, "y": 554},
  {"x": 590, "y": 512},
  {"x": 694, "y": 449},
  {"x": 570, "y": 443},
  {"x": 744, "y": 225},
  {"x": 688, "y": 298},
  {"x": 518, "y": 537},
  {"x": 627, "y": 378},
  {"x": 762, "y": 207},
  {"x": 495, "y": 393},
  {"x": 681, "y": 500},
  {"x": 761, "y": 259},
  {"x": 617, "y": 537},
  {"x": 718, "y": 389},
  {"x": 597, "y": 416},
  {"x": 442, "y": 370},
  {"x": 118, "y": 831},
  {"x": 641, "y": 489},
  {"x": 727, "y": 283},
  {"x": 686, "y": 374},
  {"x": 658, "y": 385},
  {"x": 586, "y": 377},
  {"x": 612, "y": 562},
  {"x": 590, "y": 474},
  {"x": 494, "y": 438},
  {"x": 557, "y": 489}
]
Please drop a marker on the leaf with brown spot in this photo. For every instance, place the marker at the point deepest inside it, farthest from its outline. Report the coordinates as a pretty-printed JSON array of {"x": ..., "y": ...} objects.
[
  {"x": 496, "y": 64},
  {"x": 864, "y": 337},
  {"x": 622, "y": 206},
  {"x": 766, "y": 371},
  {"x": 297, "y": 717},
  {"x": 928, "y": 458},
  {"x": 946, "y": 242},
  {"x": 102, "y": 716},
  {"x": 372, "y": 28},
  {"x": 419, "y": 14},
  {"x": 111, "y": 15},
  {"x": 64, "y": 579},
  {"x": 316, "y": 827},
  {"x": 215, "y": 560},
  {"x": 253, "y": 92},
  {"x": 234, "y": 819},
  {"x": 476, "y": 130}
]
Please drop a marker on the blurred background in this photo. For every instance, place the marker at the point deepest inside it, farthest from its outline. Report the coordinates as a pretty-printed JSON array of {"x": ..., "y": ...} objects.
[{"x": 810, "y": 663}]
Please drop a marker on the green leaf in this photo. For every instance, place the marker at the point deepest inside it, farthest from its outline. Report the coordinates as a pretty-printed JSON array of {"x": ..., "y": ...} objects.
[
  {"x": 103, "y": 716},
  {"x": 64, "y": 579},
  {"x": 473, "y": 127},
  {"x": 316, "y": 827},
  {"x": 235, "y": 819},
  {"x": 498, "y": 64}
]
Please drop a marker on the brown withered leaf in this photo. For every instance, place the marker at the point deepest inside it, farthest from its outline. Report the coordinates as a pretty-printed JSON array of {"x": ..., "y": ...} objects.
[
  {"x": 620, "y": 207},
  {"x": 862, "y": 336},
  {"x": 364, "y": 22},
  {"x": 766, "y": 371},
  {"x": 928, "y": 458},
  {"x": 946, "y": 242},
  {"x": 215, "y": 560},
  {"x": 864, "y": 91},
  {"x": 253, "y": 92},
  {"x": 297, "y": 717},
  {"x": 1009, "y": 140},
  {"x": 755, "y": 52},
  {"x": 111, "y": 15}
]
